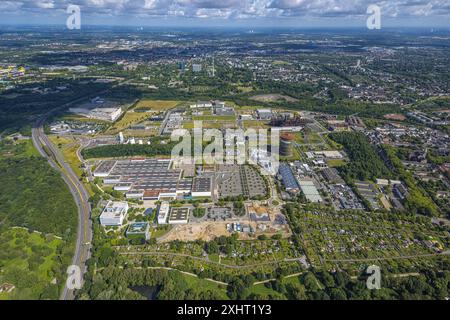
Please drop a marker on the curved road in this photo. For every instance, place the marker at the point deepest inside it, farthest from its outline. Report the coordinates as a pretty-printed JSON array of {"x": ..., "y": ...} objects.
[{"x": 79, "y": 192}]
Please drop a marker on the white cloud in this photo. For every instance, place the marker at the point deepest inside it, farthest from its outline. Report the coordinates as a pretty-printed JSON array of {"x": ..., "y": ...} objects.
[{"x": 234, "y": 9}]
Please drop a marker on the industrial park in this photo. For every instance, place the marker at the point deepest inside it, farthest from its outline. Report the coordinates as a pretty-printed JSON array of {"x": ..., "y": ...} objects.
[{"x": 232, "y": 163}]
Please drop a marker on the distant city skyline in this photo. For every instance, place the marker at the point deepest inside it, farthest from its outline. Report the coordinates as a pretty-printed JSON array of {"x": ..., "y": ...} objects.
[{"x": 229, "y": 13}]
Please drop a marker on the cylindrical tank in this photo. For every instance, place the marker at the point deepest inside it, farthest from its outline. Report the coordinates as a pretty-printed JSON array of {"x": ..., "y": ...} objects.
[{"x": 286, "y": 141}]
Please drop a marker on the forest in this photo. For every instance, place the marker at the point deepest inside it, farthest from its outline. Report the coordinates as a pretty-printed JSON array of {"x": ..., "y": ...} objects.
[
  {"x": 38, "y": 222},
  {"x": 128, "y": 150},
  {"x": 36, "y": 197},
  {"x": 365, "y": 163}
]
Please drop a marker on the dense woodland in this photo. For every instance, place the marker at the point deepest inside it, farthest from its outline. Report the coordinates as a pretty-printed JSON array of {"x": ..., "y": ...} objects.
[
  {"x": 128, "y": 150},
  {"x": 35, "y": 197},
  {"x": 365, "y": 163}
]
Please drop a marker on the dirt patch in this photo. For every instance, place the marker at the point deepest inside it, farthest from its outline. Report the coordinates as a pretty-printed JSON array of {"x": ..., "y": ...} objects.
[
  {"x": 395, "y": 116},
  {"x": 206, "y": 231}
]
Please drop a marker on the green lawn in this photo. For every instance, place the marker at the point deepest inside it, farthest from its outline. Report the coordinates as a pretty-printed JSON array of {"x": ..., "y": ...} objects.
[
  {"x": 334, "y": 163},
  {"x": 160, "y": 232},
  {"x": 205, "y": 285},
  {"x": 262, "y": 290},
  {"x": 156, "y": 105}
]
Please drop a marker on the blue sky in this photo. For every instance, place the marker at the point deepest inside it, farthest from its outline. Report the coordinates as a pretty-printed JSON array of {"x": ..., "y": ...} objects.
[{"x": 328, "y": 13}]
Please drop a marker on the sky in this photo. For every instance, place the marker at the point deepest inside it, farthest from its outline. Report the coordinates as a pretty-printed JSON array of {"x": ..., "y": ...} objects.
[{"x": 245, "y": 13}]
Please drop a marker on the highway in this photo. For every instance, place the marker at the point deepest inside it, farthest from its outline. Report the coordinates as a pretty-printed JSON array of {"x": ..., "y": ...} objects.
[
  {"x": 80, "y": 195},
  {"x": 78, "y": 190}
]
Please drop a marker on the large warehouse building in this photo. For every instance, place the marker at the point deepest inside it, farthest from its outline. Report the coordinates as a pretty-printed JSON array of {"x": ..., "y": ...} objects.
[
  {"x": 310, "y": 191},
  {"x": 202, "y": 187},
  {"x": 288, "y": 178},
  {"x": 144, "y": 179}
]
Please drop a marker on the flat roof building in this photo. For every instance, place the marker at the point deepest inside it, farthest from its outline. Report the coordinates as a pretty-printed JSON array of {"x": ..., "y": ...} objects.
[
  {"x": 197, "y": 67},
  {"x": 135, "y": 194},
  {"x": 202, "y": 104},
  {"x": 264, "y": 114},
  {"x": 201, "y": 187},
  {"x": 237, "y": 180},
  {"x": 111, "y": 180},
  {"x": 179, "y": 215},
  {"x": 325, "y": 154},
  {"x": 163, "y": 213},
  {"x": 104, "y": 169},
  {"x": 123, "y": 186},
  {"x": 331, "y": 175},
  {"x": 139, "y": 229},
  {"x": 288, "y": 178},
  {"x": 113, "y": 214},
  {"x": 144, "y": 178},
  {"x": 310, "y": 191},
  {"x": 109, "y": 114},
  {"x": 184, "y": 186}
]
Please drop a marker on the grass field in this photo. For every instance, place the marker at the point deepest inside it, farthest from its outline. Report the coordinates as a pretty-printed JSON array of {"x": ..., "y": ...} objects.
[
  {"x": 245, "y": 89},
  {"x": 280, "y": 63},
  {"x": 157, "y": 105},
  {"x": 27, "y": 261},
  {"x": 74, "y": 117},
  {"x": 128, "y": 120},
  {"x": 295, "y": 156},
  {"x": 261, "y": 289},
  {"x": 143, "y": 133},
  {"x": 160, "y": 232},
  {"x": 298, "y": 137},
  {"x": 21, "y": 149},
  {"x": 255, "y": 124},
  {"x": 204, "y": 285},
  {"x": 68, "y": 147},
  {"x": 334, "y": 163},
  {"x": 189, "y": 125}
]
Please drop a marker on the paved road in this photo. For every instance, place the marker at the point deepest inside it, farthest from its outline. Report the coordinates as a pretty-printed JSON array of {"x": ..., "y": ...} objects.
[{"x": 79, "y": 192}]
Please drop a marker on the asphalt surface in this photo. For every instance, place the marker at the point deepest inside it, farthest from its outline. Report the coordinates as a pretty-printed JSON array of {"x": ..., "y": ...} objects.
[{"x": 80, "y": 195}]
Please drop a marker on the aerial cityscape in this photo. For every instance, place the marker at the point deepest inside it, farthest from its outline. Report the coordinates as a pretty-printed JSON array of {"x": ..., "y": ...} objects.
[{"x": 244, "y": 159}]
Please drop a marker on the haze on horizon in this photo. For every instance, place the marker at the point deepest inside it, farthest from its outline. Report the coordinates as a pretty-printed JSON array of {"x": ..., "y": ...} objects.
[{"x": 226, "y": 13}]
